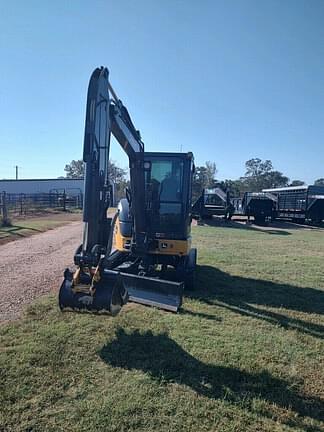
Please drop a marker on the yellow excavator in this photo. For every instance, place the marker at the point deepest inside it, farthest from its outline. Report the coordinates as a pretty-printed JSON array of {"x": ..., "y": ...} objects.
[{"x": 143, "y": 254}]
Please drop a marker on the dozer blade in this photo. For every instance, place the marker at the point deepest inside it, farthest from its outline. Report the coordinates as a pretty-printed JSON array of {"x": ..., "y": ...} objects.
[
  {"x": 155, "y": 292},
  {"x": 109, "y": 295}
]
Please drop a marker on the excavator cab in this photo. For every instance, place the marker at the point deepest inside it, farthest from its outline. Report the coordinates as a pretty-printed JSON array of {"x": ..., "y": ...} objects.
[
  {"x": 168, "y": 194},
  {"x": 166, "y": 265},
  {"x": 144, "y": 253},
  {"x": 167, "y": 210}
]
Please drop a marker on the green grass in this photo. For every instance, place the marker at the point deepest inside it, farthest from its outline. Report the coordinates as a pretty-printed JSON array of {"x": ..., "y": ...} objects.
[
  {"x": 28, "y": 226},
  {"x": 245, "y": 353}
]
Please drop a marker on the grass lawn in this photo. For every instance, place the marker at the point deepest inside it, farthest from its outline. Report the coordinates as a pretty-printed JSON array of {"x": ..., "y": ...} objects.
[
  {"x": 24, "y": 227},
  {"x": 245, "y": 353}
]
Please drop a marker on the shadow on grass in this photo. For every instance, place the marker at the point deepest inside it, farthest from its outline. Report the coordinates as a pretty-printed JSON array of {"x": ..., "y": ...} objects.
[
  {"x": 184, "y": 311},
  {"x": 248, "y": 296},
  {"x": 15, "y": 230},
  {"x": 274, "y": 227},
  {"x": 164, "y": 360},
  {"x": 264, "y": 229},
  {"x": 297, "y": 226}
]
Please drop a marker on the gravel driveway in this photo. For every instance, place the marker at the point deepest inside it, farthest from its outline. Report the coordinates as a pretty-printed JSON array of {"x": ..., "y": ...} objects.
[{"x": 34, "y": 266}]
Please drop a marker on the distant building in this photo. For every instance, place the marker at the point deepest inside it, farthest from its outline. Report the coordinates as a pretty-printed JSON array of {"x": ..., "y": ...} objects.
[{"x": 58, "y": 185}]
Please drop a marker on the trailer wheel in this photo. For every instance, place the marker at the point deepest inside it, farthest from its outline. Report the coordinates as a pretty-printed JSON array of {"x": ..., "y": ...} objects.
[{"x": 259, "y": 220}]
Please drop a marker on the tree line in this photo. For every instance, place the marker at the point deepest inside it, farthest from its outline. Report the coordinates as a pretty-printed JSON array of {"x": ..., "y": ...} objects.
[
  {"x": 258, "y": 175},
  {"x": 116, "y": 175}
]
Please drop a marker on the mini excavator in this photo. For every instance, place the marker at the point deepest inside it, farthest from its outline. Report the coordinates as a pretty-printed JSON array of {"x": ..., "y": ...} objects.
[{"x": 142, "y": 254}]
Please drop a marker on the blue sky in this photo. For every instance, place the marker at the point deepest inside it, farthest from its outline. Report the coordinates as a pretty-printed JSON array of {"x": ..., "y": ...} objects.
[{"x": 228, "y": 80}]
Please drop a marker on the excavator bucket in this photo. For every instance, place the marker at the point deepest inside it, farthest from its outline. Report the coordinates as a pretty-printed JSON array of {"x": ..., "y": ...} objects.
[
  {"x": 108, "y": 295},
  {"x": 160, "y": 293}
]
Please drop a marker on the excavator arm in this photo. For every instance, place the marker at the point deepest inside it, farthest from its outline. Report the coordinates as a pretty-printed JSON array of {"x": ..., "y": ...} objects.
[{"x": 106, "y": 116}]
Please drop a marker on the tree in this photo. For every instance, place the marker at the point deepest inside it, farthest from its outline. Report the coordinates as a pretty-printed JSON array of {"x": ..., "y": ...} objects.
[
  {"x": 274, "y": 179},
  {"x": 210, "y": 173},
  {"x": 116, "y": 175},
  {"x": 261, "y": 175},
  {"x": 297, "y": 183},
  {"x": 255, "y": 167},
  {"x": 319, "y": 182},
  {"x": 204, "y": 177},
  {"x": 255, "y": 170},
  {"x": 234, "y": 187},
  {"x": 75, "y": 169}
]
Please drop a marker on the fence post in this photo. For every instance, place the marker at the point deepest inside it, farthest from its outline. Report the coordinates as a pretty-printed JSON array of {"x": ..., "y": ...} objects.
[
  {"x": 4, "y": 208},
  {"x": 64, "y": 201},
  {"x": 21, "y": 204}
]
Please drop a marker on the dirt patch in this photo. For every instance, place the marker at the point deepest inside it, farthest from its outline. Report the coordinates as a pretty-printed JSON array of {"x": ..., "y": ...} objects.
[{"x": 34, "y": 266}]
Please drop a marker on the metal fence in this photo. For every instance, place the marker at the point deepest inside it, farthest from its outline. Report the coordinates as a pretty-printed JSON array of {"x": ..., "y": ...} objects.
[{"x": 14, "y": 204}]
